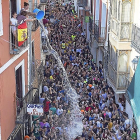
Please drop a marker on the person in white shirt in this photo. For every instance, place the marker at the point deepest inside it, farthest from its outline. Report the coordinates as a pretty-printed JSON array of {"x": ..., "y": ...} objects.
[
  {"x": 59, "y": 110},
  {"x": 127, "y": 122},
  {"x": 13, "y": 23},
  {"x": 45, "y": 88}
]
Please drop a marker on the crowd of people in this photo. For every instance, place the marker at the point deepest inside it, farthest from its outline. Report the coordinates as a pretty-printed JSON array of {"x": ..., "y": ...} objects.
[{"x": 104, "y": 119}]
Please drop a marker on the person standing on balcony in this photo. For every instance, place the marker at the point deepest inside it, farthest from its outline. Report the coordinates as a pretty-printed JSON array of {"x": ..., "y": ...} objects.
[
  {"x": 13, "y": 23},
  {"x": 23, "y": 17},
  {"x": 26, "y": 8}
]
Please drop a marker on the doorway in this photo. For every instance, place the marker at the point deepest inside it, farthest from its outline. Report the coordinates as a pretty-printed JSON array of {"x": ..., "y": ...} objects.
[
  {"x": 13, "y": 6},
  {"x": 19, "y": 93},
  {"x": 20, "y": 85}
]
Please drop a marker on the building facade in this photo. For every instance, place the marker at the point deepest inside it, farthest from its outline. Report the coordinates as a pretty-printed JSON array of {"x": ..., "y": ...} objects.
[
  {"x": 112, "y": 28},
  {"x": 94, "y": 14},
  {"x": 18, "y": 70}
]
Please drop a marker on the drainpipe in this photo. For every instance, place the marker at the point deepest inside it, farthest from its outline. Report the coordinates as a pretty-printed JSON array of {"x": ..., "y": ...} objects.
[
  {"x": 30, "y": 53},
  {"x": 30, "y": 46}
]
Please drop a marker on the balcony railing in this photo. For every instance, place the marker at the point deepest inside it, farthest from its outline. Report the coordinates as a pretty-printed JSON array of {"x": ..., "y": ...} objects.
[
  {"x": 99, "y": 32},
  {"x": 90, "y": 24},
  {"x": 118, "y": 79},
  {"x": 135, "y": 38},
  {"x": 125, "y": 32},
  {"x": 35, "y": 25},
  {"x": 113, "y": 63},
  {"x": 32, "y": 97},
  {"x": 14, "y": 48},
  {"x": 112, "y": 74}
]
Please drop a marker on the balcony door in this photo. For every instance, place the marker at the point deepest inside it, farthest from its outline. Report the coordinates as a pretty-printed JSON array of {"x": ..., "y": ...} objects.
[
  {"x": 20, "y": 85},
  {"x": 15, "y": 6},
  {"x": 19, "y": 93}
]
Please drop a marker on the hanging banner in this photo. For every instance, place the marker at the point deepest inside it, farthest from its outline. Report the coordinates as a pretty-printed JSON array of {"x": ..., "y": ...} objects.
[
  {"x": 35, "y": 109},
  {"x": 87, "y": 18}
]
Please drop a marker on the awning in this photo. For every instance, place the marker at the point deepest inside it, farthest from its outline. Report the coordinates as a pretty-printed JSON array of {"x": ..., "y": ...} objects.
[{"x": 134, "y": 95}]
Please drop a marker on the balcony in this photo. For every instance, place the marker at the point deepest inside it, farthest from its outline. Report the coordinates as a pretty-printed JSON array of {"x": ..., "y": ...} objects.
[
  {"x": 35, "y": 25},
  {"x": 125, "y": 32},
  {"x": 14, "y": 48},
  {"x": 90, "y": 24},
  {"x": 135, "y": 38},
  {"x": 32, "y": 97},
  {"x": 99, "y": 33},
  {"x": 118, "y": 80}
]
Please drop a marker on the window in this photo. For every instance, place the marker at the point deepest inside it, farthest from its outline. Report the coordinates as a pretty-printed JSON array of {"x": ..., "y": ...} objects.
[
  {"x": 126, "y": 12},
  {"x": 91, "y": 6},
  {"x": 1, "y": 23}
]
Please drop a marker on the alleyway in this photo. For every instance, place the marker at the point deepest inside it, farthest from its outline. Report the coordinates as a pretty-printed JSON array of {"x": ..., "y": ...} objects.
[{"x": 102, "y": 117}]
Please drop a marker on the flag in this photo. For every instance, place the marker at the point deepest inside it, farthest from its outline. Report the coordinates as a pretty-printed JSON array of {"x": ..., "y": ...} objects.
[{"x": 22, "y": 33}]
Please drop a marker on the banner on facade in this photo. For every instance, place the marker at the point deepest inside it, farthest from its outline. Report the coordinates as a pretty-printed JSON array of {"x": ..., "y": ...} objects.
[
  {"x": 87, "y": 18},
  {"x": 35, "y": 109}
]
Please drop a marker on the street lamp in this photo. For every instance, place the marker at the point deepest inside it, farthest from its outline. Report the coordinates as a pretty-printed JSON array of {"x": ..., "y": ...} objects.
[{"x": 135, "y": 62}]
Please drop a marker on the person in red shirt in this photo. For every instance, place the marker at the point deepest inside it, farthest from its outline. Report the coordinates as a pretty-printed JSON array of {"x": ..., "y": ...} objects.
[
  {"x": 88, "y": 108},
  {"x": 46, "y": 106},
  {"x": 45, "y": 21}
]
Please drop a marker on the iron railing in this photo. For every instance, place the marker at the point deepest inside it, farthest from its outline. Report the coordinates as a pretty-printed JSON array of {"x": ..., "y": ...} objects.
[
  {"x": 14, "y": 48},
  {"x": 90, "y": 24},
  {"x": 99, "y": 32},
  {"x": 112, "y": 75},
  {"x": 35, "y": 25},
  {"x": 17, "y": 133},
  {"x": 113, "y": 63},
  {"x": 125, "y": 32},
  {"x": 135, "y": 38},
  {"x": 32, "y": 97},
  {"x": 118, "y": 79},
  {"x": 37, "y": 73}
]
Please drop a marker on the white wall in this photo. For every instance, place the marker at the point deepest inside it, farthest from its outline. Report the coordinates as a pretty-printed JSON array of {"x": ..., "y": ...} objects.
[
  {"x": 103, "y": 20},
  {"x": 138, "y": 135},
  {"x": 97, "y": 9},
  {"x": 89, "y": 1},
  {"x": 75, "y": 4},
  {"x": 136, "y": 12},
  {"x": 132, "y": 56},
  {"x": 129, "y": 111}
]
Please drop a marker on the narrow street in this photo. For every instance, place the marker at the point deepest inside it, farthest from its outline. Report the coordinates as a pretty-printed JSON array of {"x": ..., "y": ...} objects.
[
  {"x": 103, "y": 118},
  {"x": 69, "y": 70}
]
